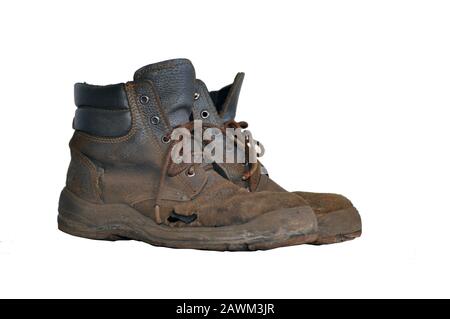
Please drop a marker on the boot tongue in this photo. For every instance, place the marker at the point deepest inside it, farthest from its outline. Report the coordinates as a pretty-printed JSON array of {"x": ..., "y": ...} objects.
[
  {"x": 226, "y": 99},
  {"x": 175, "y": 82}
]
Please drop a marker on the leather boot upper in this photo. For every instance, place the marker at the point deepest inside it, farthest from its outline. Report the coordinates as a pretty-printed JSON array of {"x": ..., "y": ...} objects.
[
  {"x": 220, "y": 107},
  {"x": 120, "y": 152}
]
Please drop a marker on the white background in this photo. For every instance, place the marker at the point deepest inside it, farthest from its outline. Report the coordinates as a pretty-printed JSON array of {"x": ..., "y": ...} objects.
[{"x": 350, "y": 97}]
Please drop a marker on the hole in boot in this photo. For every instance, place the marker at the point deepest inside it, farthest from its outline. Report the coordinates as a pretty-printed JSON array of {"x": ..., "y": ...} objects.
[{"x": 174, "y": 217}]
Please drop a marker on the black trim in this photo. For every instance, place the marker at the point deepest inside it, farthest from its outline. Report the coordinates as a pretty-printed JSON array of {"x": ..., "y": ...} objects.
[
  {"x": 100, "y": 122},
  {"x": 283, "y": 308},
  {"x": 112, "y": 97},
  {"x": 102, "y": 110}
]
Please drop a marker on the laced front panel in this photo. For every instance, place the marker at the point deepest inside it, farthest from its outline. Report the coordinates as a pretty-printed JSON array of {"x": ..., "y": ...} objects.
[
  {"x": 168, "y": 161},
  {"x": 253, "y": 167},
  {"x": 168, "y": 165}
]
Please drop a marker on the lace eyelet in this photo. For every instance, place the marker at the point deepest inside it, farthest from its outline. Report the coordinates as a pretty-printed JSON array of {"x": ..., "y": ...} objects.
[
  {"x": 144, "y": 99},
  {"x": 204, "y": 114},
  {"x": 165, "y": 139},
  {"x": 196, "y": 95},
  {"x": 154, "y": 120},
  {"x": 190, "y": 172}
]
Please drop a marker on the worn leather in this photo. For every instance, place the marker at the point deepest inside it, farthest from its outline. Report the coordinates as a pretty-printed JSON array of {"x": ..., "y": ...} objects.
[
  {"x": 321, "y": 203},
  {"x": 126, "y": 169},
  {"x": 232, "y": 171},
  {"x": 174, "y": 81},
  {"x": 130, "y": 165}
]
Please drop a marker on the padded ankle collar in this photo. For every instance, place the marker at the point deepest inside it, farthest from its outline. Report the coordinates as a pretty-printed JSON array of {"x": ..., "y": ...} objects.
[
  {"x": 102, "y": 110},
  {"x": 112, "y": 97}
]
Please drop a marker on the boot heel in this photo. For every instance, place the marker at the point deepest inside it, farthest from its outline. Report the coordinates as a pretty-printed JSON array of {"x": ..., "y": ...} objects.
[{"x": 80, "y": 218}]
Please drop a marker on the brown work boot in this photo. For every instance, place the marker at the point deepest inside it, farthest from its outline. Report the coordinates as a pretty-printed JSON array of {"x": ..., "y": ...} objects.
[
  {"x": 338, "y": 219},
  {"x": 123, "y": 183}
]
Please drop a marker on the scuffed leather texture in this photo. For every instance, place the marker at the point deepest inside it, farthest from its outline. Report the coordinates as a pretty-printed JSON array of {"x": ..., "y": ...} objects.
[
  {"x": 111, "y": 97},
  {"x": 132, "y": 163},
  {"x": 174, "y": 81},
  {"x": 224, "y": 203},
  {"x": 321, "y": 203},
  {"x": 83, "y": 178},
  {"x": 102, "y": 110},
  {"x": 226, "y": 99},
  {"x": 127, "y": 169}
]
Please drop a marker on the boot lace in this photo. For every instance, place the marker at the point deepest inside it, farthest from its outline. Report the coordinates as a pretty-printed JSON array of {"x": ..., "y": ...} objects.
[
  {"x": 168, "y": 168},
  {"x": 168, "y": 163},
  {"x": 252, "y": 167}
]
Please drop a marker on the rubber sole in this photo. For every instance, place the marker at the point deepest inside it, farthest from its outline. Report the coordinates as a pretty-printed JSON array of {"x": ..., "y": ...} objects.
[
  {"x": 338, "y": 226},
  {"x": 284, "y": 227}
]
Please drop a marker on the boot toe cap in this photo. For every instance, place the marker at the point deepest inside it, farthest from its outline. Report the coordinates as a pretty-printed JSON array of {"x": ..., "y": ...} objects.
[{"x": 323, "y": 203}]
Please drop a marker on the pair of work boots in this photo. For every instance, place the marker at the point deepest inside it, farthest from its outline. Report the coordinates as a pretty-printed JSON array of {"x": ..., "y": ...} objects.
[{"x": 123, "y": 182}]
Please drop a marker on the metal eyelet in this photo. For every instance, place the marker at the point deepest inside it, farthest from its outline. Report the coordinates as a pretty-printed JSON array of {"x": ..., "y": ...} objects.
[
  {"x": 165, "y": 139},
  {"x": 144, "y": 99},
  {"x": 196, "y": 95},
  {"x": 190, "y": 172},
  {"x": 154, "y": 120},
  {"x": 204, "y": 114}
]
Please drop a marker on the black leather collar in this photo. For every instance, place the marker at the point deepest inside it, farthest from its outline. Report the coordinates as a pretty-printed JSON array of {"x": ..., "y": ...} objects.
[{"x": 102, "y": 110}]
